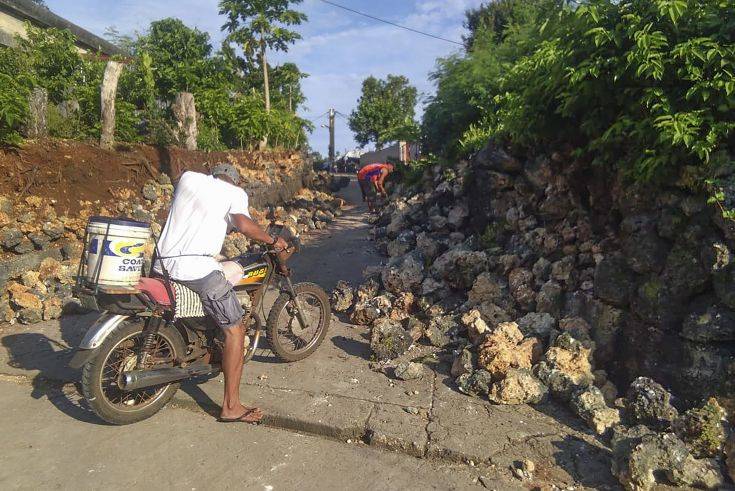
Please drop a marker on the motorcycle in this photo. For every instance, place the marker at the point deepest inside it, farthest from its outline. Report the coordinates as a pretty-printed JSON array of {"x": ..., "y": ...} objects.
[{"x": 150, "y": 337}]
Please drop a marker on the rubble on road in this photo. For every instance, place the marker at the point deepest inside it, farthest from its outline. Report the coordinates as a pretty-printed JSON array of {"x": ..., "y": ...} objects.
[{"x": 527, "y": 287}]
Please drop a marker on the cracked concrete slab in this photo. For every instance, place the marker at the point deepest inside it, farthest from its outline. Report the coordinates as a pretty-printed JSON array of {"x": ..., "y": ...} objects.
[{"x": 395, "y": 428}]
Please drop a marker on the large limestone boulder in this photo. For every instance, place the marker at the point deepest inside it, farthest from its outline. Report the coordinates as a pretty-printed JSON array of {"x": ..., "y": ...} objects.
[
  {"x": 504, "y": 348},
  {"x": 518, "y": 387}
]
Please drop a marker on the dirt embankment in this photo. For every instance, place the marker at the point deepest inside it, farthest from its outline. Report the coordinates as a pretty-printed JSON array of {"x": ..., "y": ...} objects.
[
  {"x": 48, "y": 191},
  {"x": 72, "y": 172}
]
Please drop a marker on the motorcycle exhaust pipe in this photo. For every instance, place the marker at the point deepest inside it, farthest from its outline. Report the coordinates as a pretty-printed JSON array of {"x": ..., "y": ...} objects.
[{"x": 140, "y": 379}]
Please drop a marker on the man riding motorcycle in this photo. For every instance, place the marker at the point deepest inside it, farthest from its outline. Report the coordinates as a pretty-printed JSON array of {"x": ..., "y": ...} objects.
[{"x": 204, "y": 209}]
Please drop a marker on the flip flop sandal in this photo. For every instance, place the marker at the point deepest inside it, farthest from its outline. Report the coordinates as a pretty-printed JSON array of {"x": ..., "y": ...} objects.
[{"x": 242, "y": 419}]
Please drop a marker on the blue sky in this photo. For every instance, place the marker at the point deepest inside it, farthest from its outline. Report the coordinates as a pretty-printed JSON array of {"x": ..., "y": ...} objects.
[{"x": 339, "y": 49}]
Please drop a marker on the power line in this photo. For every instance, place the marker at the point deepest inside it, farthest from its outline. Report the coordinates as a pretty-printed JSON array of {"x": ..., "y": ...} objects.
[{"x": 391, "y": 23}]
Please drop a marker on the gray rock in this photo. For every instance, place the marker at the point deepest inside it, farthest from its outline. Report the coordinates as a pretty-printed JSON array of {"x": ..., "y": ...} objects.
[
  {"x": 367, "y": 290},
  {"x": 536, "y": 324},
  {"x": 458, "y": 215},
  {"x": 704, "y": 429},
  {"x": 150, "y": 191},
  {"x": 538, "y": 172},
  {"x": 30, "y": 316},
  {"x": 439, "y": 329},
  {"x": 463, "y": 363},
  {"x": 661, "y": 459},
  {"x": 549, "y": 299},
  {"x": 403, "y": 274},
  {"x": 39, "y": 240},
  {"x": 428, "y": 247},
  {"x": 614, "y": 281},
  {"x": 561, "y": 270},
  {"x": 53, "y": 229},
  {"x": 10, "y": 237},
  {"x": 365, "y": 313},
  {"x": 708, "y": 322},
  {"x": 541, "y": 270},
  {"x": 25, "y": 246},
  {"x": 486, "y": 288},
  {"x": 476, "y": 383},
  {"x": 388, "y": 339},
  {"x": 342, "y": 297},
  {"x": 494, "y": 157},
  {"x": 459, "y": 268},
  {"x": 724, "y": 283},
  {"x": 402, "y": 245},
  {"x": 648, "y": 403},
  {"x": 409, "y": 371},
  {"x": 437, "y": 222},
  {"x": 642, "y": 248},
  {"x": 589, "y": 404},
  {"x": 518, "y": 387}
]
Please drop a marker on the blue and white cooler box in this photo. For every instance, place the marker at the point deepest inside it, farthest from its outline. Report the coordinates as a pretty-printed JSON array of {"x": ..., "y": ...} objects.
[{"x": 119, "y": 243}]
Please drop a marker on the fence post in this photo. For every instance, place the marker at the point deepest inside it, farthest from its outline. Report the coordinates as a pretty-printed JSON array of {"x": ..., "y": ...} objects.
[
  {"x": 107, "y": 103},
  {"x": 38, "y": 117},
  {"x": 185, "y": 112}
]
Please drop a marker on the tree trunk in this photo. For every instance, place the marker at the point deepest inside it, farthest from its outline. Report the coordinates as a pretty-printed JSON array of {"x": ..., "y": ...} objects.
[
  {"x": 107, "y": 99},
  {"x": 38, "y": 109},
  {"x": 266, "y": 82},
  {"x": 185, "y": 113},
  {"x": 266, "y": 87}
]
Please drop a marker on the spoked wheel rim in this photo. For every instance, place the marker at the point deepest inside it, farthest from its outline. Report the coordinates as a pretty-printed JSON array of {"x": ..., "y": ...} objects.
[
  {"x": 289, "y": 332},
  {"x": 122, "y": 358}
]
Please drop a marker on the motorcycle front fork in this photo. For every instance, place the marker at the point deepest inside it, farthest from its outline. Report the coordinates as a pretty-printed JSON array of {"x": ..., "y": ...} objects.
[{"x": 297, "y": 305}]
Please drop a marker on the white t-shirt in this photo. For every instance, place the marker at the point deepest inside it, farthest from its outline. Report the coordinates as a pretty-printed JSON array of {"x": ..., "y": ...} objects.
[{"x": 197, "y": 224}]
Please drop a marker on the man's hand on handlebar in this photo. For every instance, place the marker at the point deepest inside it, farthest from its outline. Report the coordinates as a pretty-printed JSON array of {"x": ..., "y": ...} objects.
[{"x": 279, "y": 245}]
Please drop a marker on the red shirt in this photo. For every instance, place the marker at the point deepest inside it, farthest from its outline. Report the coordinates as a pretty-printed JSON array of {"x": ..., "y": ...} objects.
[{"x": 371, "y": 171}]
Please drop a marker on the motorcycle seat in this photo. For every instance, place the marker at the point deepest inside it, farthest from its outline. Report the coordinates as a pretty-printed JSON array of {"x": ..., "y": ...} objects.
[{"x": 156, "y": 290}]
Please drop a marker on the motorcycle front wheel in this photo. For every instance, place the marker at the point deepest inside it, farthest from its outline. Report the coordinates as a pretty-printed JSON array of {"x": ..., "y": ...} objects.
[
  {"x": 288, "y": 339},
  {"x": 102, "y": 375}
]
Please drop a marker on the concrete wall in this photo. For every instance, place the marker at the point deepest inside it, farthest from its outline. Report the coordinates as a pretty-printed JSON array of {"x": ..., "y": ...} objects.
[{"x": 400, "y": 152}]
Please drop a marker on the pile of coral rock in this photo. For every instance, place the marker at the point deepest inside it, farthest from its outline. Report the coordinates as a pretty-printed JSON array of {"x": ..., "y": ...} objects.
[
  {"x": 503, "y": 305},
  {"x": 40, "y": 249}
]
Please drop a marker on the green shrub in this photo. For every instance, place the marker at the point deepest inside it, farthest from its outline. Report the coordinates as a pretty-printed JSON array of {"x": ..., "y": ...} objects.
[
  {"x": 645, "y": 86},
  {"x": 13, "y": 109}
]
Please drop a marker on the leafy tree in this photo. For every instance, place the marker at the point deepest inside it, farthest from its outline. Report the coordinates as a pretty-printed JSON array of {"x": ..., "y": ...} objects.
[
  {"x": 384, "y": 111},
  {"x": 494, "y": 17},
  {"x": 179, "y": 54},
  {"x": 260, "y": 25}
]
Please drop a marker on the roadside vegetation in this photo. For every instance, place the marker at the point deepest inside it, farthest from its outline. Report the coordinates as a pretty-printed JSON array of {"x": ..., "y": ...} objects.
[
  {"x": 241, "y": 100},
  {"x": 646, "y": 87}
]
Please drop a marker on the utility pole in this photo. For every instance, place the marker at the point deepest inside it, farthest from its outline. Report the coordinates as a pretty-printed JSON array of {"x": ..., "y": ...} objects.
[{"x": 331, "y": 137}]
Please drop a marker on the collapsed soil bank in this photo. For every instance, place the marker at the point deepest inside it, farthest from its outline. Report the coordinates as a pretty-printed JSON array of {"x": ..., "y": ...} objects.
[{"x": 69, "y": 172}]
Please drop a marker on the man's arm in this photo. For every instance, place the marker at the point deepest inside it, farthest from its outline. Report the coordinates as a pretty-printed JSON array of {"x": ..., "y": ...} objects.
[
  {"x": 381, "y": 180},
  {"x": 252, "y": 230}
]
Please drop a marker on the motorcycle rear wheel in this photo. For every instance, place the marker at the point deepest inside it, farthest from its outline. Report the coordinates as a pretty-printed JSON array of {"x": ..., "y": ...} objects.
[
  {"x": 283, "y": 329},
  {"x": 117, "y": 354}
]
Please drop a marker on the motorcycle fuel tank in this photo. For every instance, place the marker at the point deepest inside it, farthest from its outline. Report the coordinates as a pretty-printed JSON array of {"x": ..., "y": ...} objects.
[{"x": 255, "y": 272}]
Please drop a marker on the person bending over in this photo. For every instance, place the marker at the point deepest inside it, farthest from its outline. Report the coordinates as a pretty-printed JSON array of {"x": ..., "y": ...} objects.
[{"x": 372, "y": 181}]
